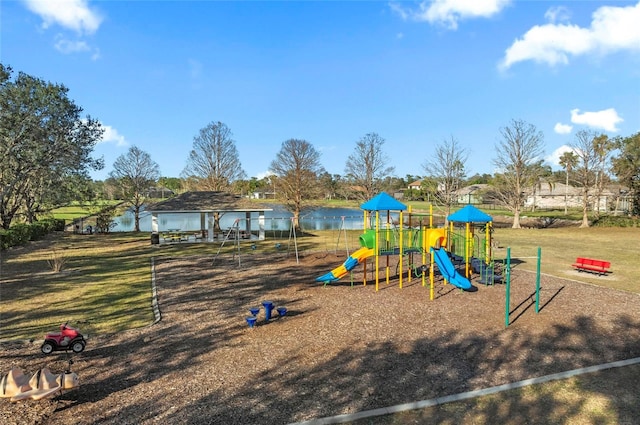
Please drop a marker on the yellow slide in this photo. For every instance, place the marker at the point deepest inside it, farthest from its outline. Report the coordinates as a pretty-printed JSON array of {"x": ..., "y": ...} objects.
[{"x": 353, "y": 260}]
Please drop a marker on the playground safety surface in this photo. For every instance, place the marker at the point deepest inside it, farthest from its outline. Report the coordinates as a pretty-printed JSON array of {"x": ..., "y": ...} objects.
[{"x": 339, "y": 349}]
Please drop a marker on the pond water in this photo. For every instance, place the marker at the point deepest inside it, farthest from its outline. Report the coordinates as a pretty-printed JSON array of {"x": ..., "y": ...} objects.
[{"x": 278, "y": 219}]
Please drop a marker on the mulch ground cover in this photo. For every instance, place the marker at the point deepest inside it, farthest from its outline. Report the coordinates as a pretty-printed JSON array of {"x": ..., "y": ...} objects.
[{"x": 339, "y": 349}]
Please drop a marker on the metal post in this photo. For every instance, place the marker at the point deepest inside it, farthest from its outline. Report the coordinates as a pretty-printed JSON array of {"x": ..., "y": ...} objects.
[
  {"x": 538, "y": 280},
  {"x": 508, "y": 289}
]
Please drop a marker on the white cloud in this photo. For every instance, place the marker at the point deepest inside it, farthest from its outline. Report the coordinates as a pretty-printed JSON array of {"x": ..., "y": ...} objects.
[
  {"x": 75, "y": 15},
  {"x": 554, "y": 157},
  {"x": 111, "y": 135},
  {"x": 612, "y": 29},
  {"x": 450, "y": 12},
  {"x": 562, "y": 128},
  {"x": 263, "y": 175},
  {"x": 68, "y": 46},
  {"x": 401, "y": 11},
  {"x": 96, "y": 54},
  {"x": 606, "y": 119},
  {"x": 557, "y": 14}
]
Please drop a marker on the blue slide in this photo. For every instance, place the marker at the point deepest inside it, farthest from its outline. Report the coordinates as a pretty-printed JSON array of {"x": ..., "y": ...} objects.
[{"x": 449, "y": 272}]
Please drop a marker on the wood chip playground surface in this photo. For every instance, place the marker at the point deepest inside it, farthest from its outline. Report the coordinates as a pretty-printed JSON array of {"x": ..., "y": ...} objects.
[{"x": 339, "y": 349}]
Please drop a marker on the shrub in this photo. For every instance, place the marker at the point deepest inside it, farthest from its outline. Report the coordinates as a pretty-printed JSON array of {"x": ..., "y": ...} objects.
[
  {"x": 616, "y": 221},
  {"x": 20, "y": 234},
  {"x": 56, "y": 261},
  {"x": 104, "y": 220}
]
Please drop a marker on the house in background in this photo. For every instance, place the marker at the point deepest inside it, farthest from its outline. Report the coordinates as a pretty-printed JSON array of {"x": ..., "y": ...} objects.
[
  {"x": 551, "y": 195},
  {"x": 547, "y": 195},
  {"x": 416, "y": 185},
  {"x": 473, "y": 194}
]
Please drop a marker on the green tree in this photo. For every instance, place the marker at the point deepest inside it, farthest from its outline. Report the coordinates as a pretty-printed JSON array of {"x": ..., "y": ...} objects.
[
  {"x": 296, "y": 169},
  {"x": 480, "y": 179},
  {"x": 429, "y": 187},
  {"x": 135, "y": 172},
  {"x": 447, "y": 168},
  {"x": 521, "y": 146},
  {"x": 172, "y": 183},
  {"x": 626, "y": 167},
  {"x": 367, "y": 166},
  {"x": 568, "y": 161},
  {"x": 214, "y": 163},
  {"x": 330, "y": 184},
  {"x": 45, "y": 146}
]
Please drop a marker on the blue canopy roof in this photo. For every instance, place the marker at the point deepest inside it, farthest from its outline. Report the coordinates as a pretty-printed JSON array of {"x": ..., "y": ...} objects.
[
  {"x": 383, "y": 202},
  {"x": 470, "y": 214}
]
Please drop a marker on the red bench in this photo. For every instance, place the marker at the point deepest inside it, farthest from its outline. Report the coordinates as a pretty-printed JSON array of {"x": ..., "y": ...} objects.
[{"x": 591, "y": 265}]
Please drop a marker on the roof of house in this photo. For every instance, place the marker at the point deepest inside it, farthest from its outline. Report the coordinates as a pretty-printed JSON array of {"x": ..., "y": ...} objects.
[
  {"x": 206, "y": 201},
  {"x": 468, "y": 190}
]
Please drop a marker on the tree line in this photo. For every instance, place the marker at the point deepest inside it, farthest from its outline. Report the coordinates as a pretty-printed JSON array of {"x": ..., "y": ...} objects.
[{"x": 46, "y": 146}]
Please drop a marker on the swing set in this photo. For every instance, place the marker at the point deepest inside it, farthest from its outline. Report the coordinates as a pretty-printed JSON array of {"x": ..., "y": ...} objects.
[{"x": 233, "y": 235}]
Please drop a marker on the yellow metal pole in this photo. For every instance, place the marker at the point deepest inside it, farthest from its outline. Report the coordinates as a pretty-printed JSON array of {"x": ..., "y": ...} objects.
[
  {"x": 431, "y": 278},
  {"x": 388, "y": 246},
  {"x": 364, "y": 265},
  {"x": 364, "y": 224},
  {"x": 364, "y": 271},
  {"x": 466, "y": 251},
  {"x": 400, "y": 240},
  {"x": 487, "y": 242},
  {"x": 424, "y": 252},
  {"x": 377, "y": 245}
]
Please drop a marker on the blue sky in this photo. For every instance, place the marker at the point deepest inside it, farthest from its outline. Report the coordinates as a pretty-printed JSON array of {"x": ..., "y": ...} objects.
[{"x": 417, "y": 73}]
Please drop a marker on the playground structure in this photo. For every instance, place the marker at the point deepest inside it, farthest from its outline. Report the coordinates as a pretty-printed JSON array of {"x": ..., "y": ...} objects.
[{"x": 392, "y": 229}]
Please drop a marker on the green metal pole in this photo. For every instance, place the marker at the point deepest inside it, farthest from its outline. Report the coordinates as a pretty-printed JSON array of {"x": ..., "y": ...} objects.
[
  {"x": 507, "y": 301},
  {"x": 538, "y": 281}
]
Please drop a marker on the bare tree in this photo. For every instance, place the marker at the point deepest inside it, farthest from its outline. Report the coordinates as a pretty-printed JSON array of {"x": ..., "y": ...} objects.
[
  {"x": 213, "y": 163},
  {"x": 447, "y": 168},
  {"x": 134, "y": 173},
  {"x": 368, "y": 164},
  {"x": 521, "y": 145},
  {"x": 568, "y": 162},
  {"x": 297, "y": 170},
  {"x": 585, "y": 149}
]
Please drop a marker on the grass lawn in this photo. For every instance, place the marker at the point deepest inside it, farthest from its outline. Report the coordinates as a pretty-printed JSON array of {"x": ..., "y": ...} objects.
[
  {"x": 608, "y": 397},
  {"x": 560, "y": 248},
  {"x": 78, "y": 210}
]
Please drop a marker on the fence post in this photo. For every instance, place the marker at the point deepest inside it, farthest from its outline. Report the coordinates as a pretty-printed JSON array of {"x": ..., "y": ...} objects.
[
  {"x": 538, "y": 280},
  {"x": 508, "y": 289}
]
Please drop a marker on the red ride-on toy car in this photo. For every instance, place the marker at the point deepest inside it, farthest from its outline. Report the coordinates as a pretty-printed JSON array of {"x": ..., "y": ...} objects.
[{"x": 67, "y": 339}]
